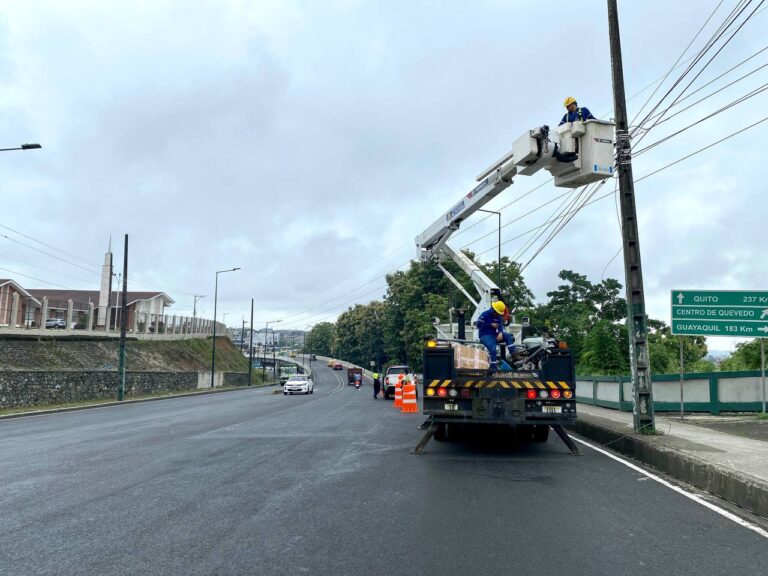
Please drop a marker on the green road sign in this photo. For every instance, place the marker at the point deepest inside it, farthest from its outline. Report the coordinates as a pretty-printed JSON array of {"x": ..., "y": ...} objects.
[{"x": 720, "y": 313}]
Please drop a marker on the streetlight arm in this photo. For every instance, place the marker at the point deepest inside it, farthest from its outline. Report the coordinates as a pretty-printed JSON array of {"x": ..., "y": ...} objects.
[{"x": 22, "y": 147}]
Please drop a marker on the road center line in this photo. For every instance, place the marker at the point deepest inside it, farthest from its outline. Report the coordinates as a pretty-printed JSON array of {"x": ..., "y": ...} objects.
[
  {"x": 339, "y": 387},
  {"x": 724, "y": 513}
]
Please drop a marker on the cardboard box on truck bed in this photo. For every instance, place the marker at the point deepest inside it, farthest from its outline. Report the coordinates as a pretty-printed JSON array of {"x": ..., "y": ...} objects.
[{"x": 465, "y": 356}]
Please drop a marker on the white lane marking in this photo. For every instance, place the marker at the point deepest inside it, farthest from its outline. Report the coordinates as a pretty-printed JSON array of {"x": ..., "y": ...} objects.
[
  {"x": 340, "y": 386},
  {"x": 698, "y": 500}
]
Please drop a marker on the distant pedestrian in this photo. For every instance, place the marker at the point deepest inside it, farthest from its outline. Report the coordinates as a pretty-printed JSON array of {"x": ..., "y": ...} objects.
[{"x": 376, "y": 385}]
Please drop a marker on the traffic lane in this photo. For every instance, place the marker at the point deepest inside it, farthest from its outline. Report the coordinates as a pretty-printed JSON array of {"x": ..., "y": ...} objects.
[
  {"x": 112, "y": 467},
  {"x": 469, "y": 508},
  {"x": 328, "y": 486},
  {"x": 184, "y": 407},
  {"x": 66, "y": 439}
]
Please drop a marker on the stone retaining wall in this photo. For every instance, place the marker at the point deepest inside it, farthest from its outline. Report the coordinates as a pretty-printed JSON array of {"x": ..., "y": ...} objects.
[{"x": 33, "y": 388}]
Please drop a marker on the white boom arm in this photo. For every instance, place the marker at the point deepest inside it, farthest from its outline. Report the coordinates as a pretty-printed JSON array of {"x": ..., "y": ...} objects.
[{"x": 584, "y": 154}]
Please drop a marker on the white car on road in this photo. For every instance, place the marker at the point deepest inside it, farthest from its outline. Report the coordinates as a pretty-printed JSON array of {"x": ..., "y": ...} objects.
[{"x": 299, "y": 384}]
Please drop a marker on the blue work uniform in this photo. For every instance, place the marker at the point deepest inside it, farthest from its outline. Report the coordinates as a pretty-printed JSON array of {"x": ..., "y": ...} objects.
[
  {"x": 488, "y": 333},
  {"x": 580, "y": 114}
]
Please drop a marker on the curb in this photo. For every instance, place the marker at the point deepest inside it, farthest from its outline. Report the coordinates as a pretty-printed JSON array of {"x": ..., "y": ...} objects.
[
  {"x": 738, "y": 488},
  {"x": 124, "y": 402}
]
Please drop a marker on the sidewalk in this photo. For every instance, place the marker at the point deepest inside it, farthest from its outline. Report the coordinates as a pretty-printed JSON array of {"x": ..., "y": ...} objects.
[{"x": 730, "y": 466}]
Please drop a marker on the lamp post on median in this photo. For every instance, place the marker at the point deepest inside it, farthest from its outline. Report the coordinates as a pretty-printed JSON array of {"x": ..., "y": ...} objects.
[
  {"x": 215, "y": 302},
  {"x": 264, "y": 360},
  {"x": 498, "y": 262},
  {"x": 22, "y": 147}
]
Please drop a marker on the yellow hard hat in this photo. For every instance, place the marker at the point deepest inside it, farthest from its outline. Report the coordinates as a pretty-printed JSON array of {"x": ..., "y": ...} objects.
[
  {"x": 568, "y": 101},
  {"x": 498, "y": 306}
]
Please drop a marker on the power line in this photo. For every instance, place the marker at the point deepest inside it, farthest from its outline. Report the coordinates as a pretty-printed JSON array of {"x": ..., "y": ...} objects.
[
  {"x": 75, "y": 256},
  {"x": 603, "y": 196},
  {"x": 736, "y": 102},
  {"x": 676, "y": 62},
  {"x": 715, "y": 79},
  {"x": 47, "y": 254},
  {"x": 710, "y": 45},
  {"x": 5, "y": 257},
  {"x": 702, "y": 149},
  {"x": 33, "y": 278}
]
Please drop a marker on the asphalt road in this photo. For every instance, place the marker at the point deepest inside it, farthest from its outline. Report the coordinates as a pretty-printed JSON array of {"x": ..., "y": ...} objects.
[{"x": 253, "y": 483}]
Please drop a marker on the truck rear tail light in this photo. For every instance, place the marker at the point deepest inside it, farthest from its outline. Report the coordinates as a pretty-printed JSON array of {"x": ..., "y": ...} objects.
[
  {"x": 466, "y": 393},
  {"x": 555, "y": 393},
  {"x": 543, "y": 393},
  {"x": 530, "y": 394},
  {"x": 453, "y": 392},
  {"x": 430, "y": 391},
  {"x": 568, "y": 394},
  {"x": 441, "y": 392}
]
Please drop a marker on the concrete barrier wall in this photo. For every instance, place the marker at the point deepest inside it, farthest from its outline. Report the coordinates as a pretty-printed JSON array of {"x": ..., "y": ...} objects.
[
  {"x": 712, "y": 392},
  {"x": 35, "y": 388}
]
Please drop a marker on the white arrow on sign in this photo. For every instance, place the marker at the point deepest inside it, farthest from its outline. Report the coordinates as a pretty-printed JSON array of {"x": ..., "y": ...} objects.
[
  {"x": 764, "y": 314},
  {"x": 680, "y": 298},
  {"x": 763, "y": 329}
]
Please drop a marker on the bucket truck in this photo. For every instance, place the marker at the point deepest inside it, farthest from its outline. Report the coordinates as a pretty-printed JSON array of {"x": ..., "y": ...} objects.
[{"x": 539, "y": 392}]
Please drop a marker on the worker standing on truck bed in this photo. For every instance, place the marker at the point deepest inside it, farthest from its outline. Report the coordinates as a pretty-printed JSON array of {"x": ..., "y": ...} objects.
[{"x": 490, "y": 328}]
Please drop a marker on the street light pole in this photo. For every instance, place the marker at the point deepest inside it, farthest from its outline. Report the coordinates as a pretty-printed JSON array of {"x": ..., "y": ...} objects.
[
  {"x": 498, "y": 262},
  {"x": 215, "y": 302}
]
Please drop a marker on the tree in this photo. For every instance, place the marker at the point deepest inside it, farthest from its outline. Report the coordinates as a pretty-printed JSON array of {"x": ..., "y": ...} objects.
[
  {"x": 746, "y": 357},
  {"x": 319, "y": 340},
  {"x": 605, "y": 350},
  {"x": 664, "y": 349},
  {"x": 576, "y": 306},
  {"x": 358, "y": 333},
  {"x": 514, "y": 292}
]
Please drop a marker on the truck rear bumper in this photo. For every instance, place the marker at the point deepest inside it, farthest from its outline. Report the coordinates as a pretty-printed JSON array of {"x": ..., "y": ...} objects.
[{"x": 514, "y": 421}]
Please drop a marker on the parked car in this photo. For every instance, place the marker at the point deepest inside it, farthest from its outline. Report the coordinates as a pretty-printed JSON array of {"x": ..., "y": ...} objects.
[
  {"x": 331, "y": 362},
  {"x": 313, "y": 356},
  {"x": 299, "y": 384},
  {"x": 390, "y": 379},
  {"x": 338, "y": 366},
  {"x": 55, "y": 323}
]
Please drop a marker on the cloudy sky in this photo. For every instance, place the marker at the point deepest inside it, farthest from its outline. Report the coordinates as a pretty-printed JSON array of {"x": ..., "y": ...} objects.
[{"x": 308, "y": 142}]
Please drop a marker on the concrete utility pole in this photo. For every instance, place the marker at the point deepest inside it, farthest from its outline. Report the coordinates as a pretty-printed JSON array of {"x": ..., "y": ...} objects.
[
  {"x": 633, "y": 271},
  {"x": 123, "y": 320},
  {"x": 250, "y": 347},
  {"x": 194, "y": 308}
]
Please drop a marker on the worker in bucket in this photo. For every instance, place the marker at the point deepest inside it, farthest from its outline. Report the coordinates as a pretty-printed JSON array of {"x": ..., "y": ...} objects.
[
  {"x": 575, "y": 112},
  {"x": 490, "y": 327}
]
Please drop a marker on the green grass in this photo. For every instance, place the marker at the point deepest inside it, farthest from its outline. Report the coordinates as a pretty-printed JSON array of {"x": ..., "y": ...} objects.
[{"x": 762, "y": 416}]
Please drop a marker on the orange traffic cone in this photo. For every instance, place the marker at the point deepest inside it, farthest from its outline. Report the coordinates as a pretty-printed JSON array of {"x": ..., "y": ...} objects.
[
  {"x": 399, "y": 394},
  {"x": 409, "y": 399}
]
